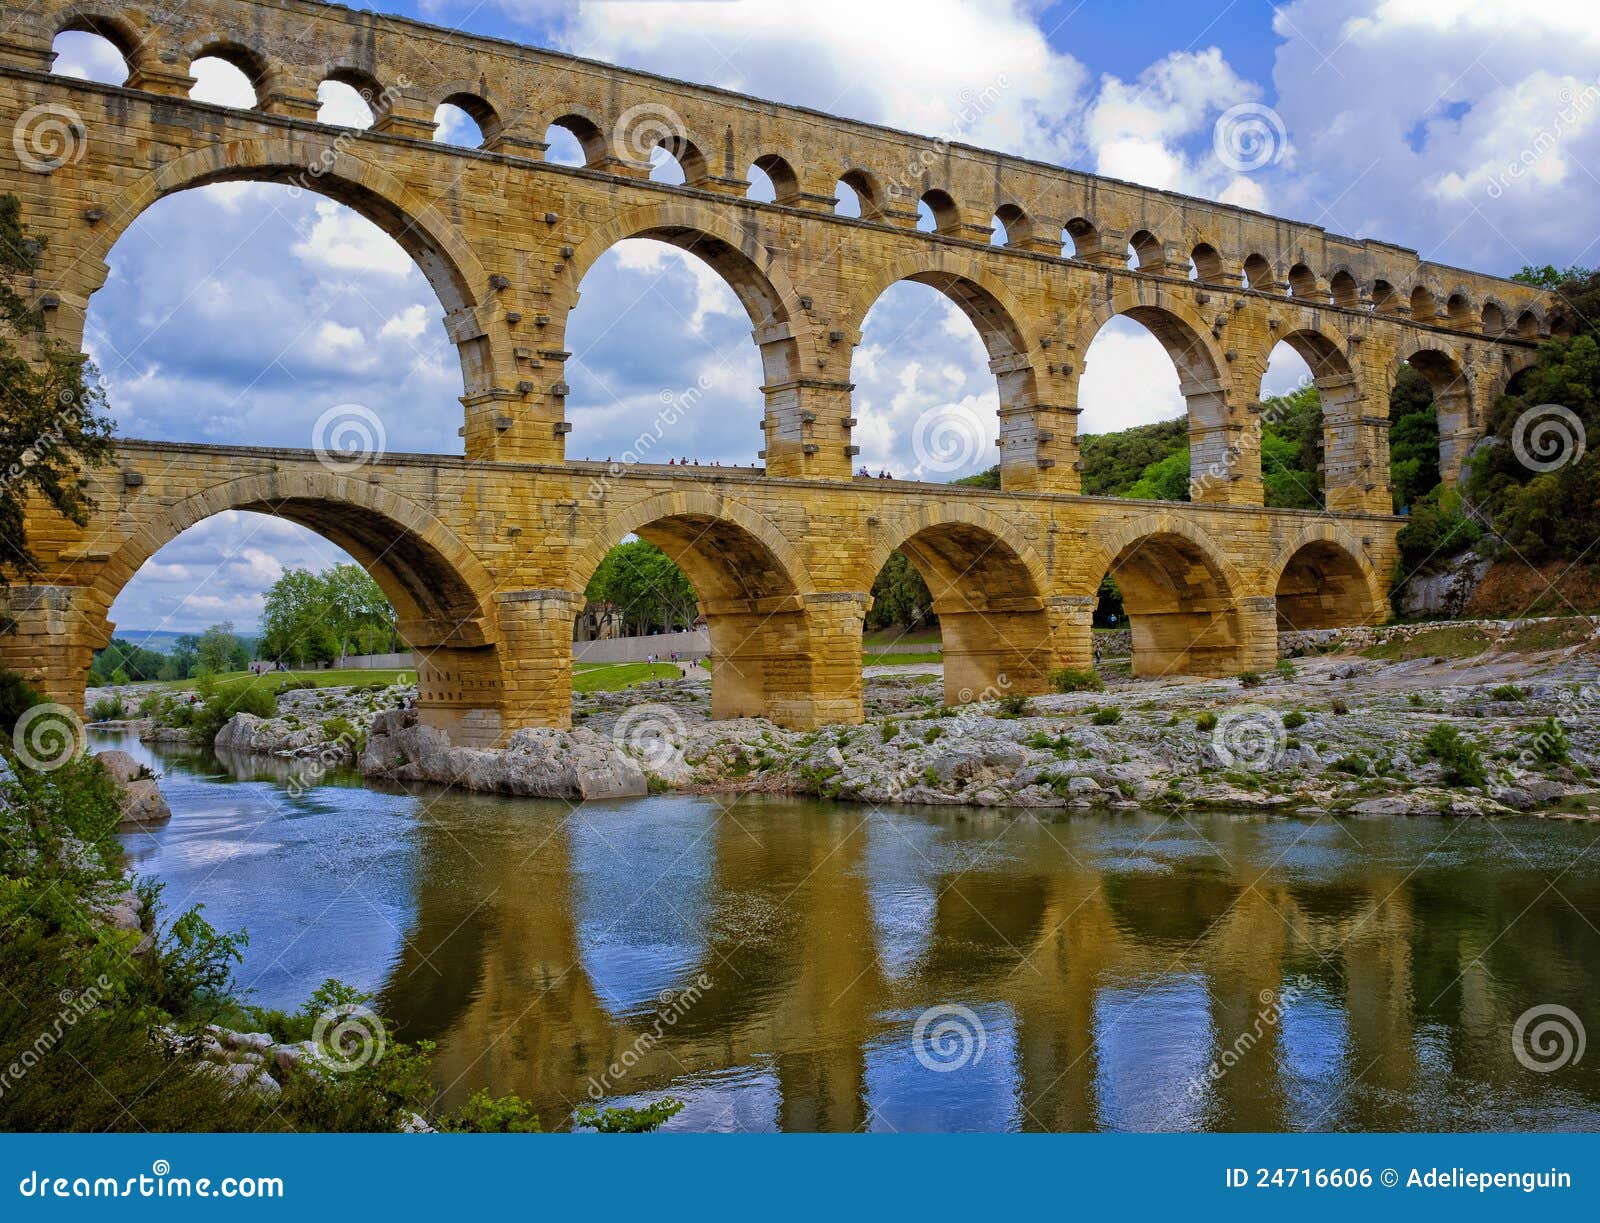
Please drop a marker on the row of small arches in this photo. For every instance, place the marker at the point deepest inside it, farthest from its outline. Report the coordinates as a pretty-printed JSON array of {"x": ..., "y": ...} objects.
[{"x": 229, "y": 73}]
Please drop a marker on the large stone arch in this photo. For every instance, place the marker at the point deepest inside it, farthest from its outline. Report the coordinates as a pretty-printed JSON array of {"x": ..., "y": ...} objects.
[
  {"x": 1002, "y": 323},
  {"x": 1444, "y": 366},
  {"x": 955, "y": 513},
  {"x": 774, "y": 653},
  {"x": 444, "y": 598},
  {"x": 692, "y": 505},
  {"x": 1224, "y": 443},
  {"x": 777, "y": 312},
  {"x": 1189, "y": 608},
  {"x": 324, "y": 165},
  {"x": 1323, "y": 578},
  {"x": 1355, "y": 441},
  {"x": 990, "y": 591}
]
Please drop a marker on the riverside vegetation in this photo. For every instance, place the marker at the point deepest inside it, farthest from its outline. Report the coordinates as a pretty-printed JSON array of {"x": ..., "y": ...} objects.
[{"x": 117, "y": 1015}]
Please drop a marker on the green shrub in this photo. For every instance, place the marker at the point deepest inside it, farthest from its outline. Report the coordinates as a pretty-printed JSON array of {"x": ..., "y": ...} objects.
[
  {"x": 1285, "y": 669},
  {"x": 1550, "y": 743},
  {"x": 1013, "y": 705},
  {"x": 106, "y": 709},
  {"x": 1507, "y": 692},
  {"x": 1462, "y": 762},
  {"x": 1076, "y": 679},
  {"x": 17, "y": 696},
  {"x": 1339, "y": 707},
  {"x": 1109, "y": 716},
  {"x": 342, "y": 730},
  {"x": 932, "y": 734},
  {"x": 1249, "y": 679},
  {"x": 1205, "y": 721},
  {"x": 1293, "y": 720},
  {"x": 629, "y": 1120},
  {"x": 255, "y": 699}
]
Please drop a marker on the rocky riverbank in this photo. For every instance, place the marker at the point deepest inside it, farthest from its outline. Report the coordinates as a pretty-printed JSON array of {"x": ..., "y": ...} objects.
[{"x": 1484, "y": 718}]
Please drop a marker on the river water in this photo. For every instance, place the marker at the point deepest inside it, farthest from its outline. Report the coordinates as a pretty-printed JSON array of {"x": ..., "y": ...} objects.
[{"x": 798, "y": 965}]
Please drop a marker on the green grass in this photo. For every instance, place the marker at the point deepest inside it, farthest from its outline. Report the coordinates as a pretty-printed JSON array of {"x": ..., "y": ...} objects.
[
  {"x": 614, "y": 677},
  {"x": 892, "y": 660},
  {"x": 586, "y": 677}
]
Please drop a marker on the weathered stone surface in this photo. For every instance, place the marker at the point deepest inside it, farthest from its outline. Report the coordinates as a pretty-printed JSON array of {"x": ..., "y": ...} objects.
[{"x": 544, "y": 763}]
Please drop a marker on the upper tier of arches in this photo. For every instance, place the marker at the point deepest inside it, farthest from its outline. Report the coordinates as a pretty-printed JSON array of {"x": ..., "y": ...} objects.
[{"x": 406, "y": 73}]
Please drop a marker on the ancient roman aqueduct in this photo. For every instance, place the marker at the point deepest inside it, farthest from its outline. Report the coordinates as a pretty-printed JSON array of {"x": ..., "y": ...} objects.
[{"x": 486, "y": 556}]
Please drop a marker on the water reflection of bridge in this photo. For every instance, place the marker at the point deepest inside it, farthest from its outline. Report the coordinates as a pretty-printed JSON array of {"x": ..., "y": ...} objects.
[{"x": 1106, "y": 986}]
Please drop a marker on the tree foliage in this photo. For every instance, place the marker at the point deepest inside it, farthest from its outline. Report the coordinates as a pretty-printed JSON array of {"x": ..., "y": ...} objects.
[
  {"x": 1548, "y": 514},
  {"x": 646, "y": 586},
  {"x": 316, "y": 617},
  {"x": 1413, "y": 439},
  {"x": 900, "y": 596},
  {"x": 52, "y": 421}
]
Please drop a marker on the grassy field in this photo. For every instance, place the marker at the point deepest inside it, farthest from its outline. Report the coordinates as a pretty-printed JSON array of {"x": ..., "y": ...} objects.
[
  {"x": 890, "y": 660},
  {"x": 613, "y": 677},
  {"x": 596, "y": 677}
]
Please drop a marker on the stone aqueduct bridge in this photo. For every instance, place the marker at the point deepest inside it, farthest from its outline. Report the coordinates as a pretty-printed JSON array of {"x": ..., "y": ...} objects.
[{"x": 486, "y": 556}]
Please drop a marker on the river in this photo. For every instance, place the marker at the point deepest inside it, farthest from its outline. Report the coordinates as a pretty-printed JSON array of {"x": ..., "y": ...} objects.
[{"x": 799, "y": 965}]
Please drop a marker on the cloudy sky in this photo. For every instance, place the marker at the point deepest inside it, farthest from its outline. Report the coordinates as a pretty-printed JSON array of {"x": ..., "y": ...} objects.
[{"x": 245, "y": 313}]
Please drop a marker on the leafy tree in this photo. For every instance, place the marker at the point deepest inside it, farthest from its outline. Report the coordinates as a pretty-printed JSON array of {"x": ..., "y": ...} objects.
[
  {"x": 1413, "y": 439},
  {"x": 1555, "y": 514},
  {"x": 647, "y": 585},
  {"x": 1547, "y": 277},
  {"x": 51, "y": 423},
  {"x": 1292, "y": 450},
  {"x": 1113, "y": 462},
  {"x": 900, "y": 596},
  {"x": 136, "y": 662},
  {"x": 17, "y": 696},
  {"x": 361, "y": 617},
  {"x": 989, "y": 478},
  {"x": 219, "y": 649},
  {"x": 1164, "y": 480}
]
